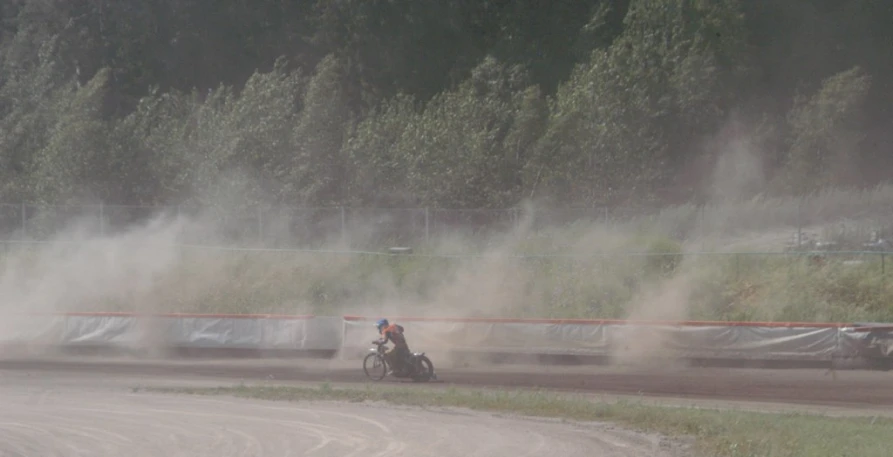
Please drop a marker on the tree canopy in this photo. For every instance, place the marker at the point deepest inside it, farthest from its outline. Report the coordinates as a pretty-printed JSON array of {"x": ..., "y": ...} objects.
[{"x": 438, "y": 103}]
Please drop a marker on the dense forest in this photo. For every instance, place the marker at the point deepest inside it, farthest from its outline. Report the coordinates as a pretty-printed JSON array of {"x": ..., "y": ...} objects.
[{"x": 447, "y": 103}]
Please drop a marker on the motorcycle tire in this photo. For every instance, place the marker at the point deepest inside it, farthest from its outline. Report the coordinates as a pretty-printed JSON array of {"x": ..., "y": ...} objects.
[
  {"x": 426, "y": 370},
  {"x": 378, "y": 369}
]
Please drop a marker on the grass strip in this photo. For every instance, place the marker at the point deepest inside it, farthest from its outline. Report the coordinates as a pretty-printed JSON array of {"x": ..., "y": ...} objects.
[{"x": 728, "y": 433}]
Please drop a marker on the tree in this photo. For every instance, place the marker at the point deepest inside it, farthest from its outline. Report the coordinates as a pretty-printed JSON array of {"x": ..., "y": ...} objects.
[
  {"x": 317, "y": 172},
  {"x": 623, "y": 125},
  {"x": 465, "y": 150},
  {"x": 76, "y": 163},
  {"x": 826, "y": 131},
  {"x": 33, "y": 95},
  {"x": 378, "y": 168}
]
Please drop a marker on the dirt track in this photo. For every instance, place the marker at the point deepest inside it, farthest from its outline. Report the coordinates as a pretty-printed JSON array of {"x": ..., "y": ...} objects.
[
  {"x": 814, "y": 387},
  {"x": 88, "y": 406},
  {"x": 78, "y": 419}
]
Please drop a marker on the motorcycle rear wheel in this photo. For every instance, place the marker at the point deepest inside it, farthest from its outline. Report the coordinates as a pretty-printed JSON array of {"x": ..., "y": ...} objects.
[{"x": 426, "y": 370}]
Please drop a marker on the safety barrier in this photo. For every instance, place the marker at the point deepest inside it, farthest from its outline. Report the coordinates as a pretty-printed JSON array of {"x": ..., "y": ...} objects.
[
  {"x": 618, "y": 338},
  {"x": 173, "y": 332},
  {"x": 350, "y": 336}
]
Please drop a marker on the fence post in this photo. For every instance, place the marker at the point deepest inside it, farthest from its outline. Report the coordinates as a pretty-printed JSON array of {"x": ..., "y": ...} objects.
[
  {"x": 427, "y": 225},
  {"x": 24, "y": 221},
  {"x": 702, "y": 225},
  {"x": 737, "y": 266},
  {"x": 341, "y": 354},
  {"x": 799, "y": 222},
  {"x": 260, "y": 225}
]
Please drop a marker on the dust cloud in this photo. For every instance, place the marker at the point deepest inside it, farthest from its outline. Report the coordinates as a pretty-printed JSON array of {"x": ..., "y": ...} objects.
[
  {"x": 182, "y": 263},
  {"x": 736, "y": 176},
  {"x": 78, "y": 269}
]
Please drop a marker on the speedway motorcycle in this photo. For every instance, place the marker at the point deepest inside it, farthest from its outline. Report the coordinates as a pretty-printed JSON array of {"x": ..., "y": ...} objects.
[{"x": 417, "y": 366}]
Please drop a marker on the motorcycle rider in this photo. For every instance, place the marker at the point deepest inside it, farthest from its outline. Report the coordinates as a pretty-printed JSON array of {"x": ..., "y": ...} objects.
[{"x": 396, "y": 355}]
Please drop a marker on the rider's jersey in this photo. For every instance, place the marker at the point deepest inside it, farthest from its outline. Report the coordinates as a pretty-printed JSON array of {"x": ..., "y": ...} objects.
[{"x": 393, "y": 333}]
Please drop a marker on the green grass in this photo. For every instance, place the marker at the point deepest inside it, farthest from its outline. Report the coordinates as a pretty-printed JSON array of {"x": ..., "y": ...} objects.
[
  {"x": 749, "y": 287},
  {"x": 609, "y": 283},
  {"x": 716, "y": 433}
]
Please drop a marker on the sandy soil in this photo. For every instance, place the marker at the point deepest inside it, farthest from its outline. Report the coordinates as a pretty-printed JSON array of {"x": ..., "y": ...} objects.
[
  {"x": 94, "y": 415},
  {"x": 846, "y": 389},
  {"x": 89, "y": 406}
]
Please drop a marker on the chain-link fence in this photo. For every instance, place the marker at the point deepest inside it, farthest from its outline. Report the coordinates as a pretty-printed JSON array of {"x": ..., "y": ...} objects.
[
  {"x": 843, "y": 221},
  {"x": 272, "y": 226}
]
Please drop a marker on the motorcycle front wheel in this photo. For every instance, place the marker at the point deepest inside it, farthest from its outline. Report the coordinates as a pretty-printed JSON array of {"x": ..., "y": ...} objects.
[{"x": 375, "y": 367}]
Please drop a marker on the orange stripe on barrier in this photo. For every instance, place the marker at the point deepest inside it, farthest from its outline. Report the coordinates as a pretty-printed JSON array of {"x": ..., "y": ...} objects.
[
  {"x": 491, "y": 320},
  {"x": 240, "y": 316},
  {"x": 494, "y": 320},
  {"x": 178, "y": 315}
]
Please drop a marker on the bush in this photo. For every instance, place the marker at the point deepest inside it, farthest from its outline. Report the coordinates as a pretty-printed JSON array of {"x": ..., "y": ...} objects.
[{"x": 723, "y": 287}]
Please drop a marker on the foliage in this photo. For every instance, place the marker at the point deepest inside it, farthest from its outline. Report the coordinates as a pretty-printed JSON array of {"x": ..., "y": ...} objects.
[
  {"x": 446, "y": 104},
  {"x": 455, "y": 104},
  {"x": 664, "y": 256},
  {"x": 826, "y": 131},
  {"x": 724, "y": 287}
]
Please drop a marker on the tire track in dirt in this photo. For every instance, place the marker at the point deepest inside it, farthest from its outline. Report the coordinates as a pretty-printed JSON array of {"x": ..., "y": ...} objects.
[
  {"x": 86, "y": 421},
  {"x": 812, "y": 387}
]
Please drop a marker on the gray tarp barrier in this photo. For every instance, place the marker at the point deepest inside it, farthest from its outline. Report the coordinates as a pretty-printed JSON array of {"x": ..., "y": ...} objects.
[
  {"x": 484, "y": 336},
  {"x": 316, "y": 333},
  {"x": 607, "y": 339},
  {"x": 114, "y": 330},
  {"x": 323, "y": 333},
  {"x": 27, "y": 329},
  {"x": 869, "y": 339},
  {"x": 731, "y": 341},
  {"x": 354, "y": 336},
  {"x": 212, "y": 332},
  {"x": 184, "y": 332}
]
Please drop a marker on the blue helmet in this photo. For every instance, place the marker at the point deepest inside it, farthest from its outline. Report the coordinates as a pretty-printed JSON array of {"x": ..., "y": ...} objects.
[{"x": 381, "y": 323}]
